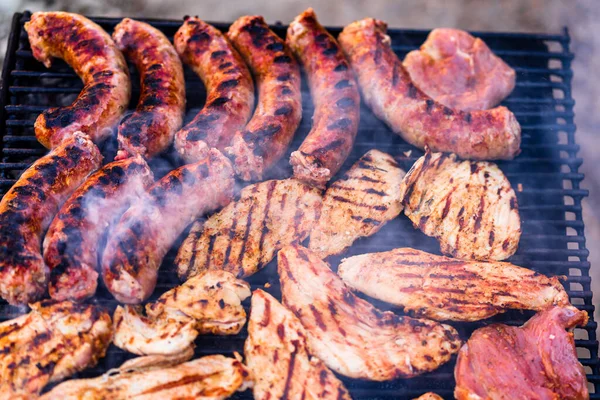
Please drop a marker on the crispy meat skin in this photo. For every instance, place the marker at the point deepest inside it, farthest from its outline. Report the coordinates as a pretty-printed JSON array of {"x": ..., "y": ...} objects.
[
  {"x": 459, "y": 71},
  {"x": 207, "y": 303},
  {"x": 207, "y": 378},
  {"x": 71, "y": 245},
  {"x": 442, "y": 288},
  {"x": 244, "y": 236},
  {"x": 537, "y": 361},
  {"x": 27, "y": 210},
  {"x": 92, "y": 54},
  {"x": 229, "y": 89},
  {"x": 350, "y": 335},
  {"x": 388, "y": 90},
  {"x": 161, "y": 106},
  {"x": 335, "y": 96},
  {"x": 358, "y": 204},
  {"x": 52, "y": 342},
  {"x": 148, "y": 229},
  {"x": 268, "y": 134},
  {"x": 277, "y": 356},
  {"x": 469, "y": 206}
]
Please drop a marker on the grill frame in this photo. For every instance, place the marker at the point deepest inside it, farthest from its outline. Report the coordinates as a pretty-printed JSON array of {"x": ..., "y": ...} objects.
[{"x": 547, "y": 170}]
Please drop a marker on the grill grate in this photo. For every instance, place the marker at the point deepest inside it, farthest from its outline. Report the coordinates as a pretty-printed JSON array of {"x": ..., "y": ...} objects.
[{"x": 545, "y": 176}]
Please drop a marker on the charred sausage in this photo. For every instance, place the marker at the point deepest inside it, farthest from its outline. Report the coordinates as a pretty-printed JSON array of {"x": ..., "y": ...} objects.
[
  {"x": 269, "y": 133},
  {"x": 335, "y": 97},
  {"x": 93, "y": 55},
  {"x": 160, "y": 109},
  {"x": 387, "y": 89},
  {"x": 27, "y": 210},
  {"x": 229, "y": 89}
]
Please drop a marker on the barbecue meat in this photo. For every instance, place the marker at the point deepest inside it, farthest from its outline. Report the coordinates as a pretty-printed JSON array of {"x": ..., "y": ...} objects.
[
  {"x": 358, "y": 204},
  {"x": 536, "y": 361},
  {"x": 444, "y": 288},
  {"x": 210, "y": 377},
  {"x": 245, "y": 235},
  {"x": 429, "y": 396},
  {"x": 158, "y": 360},
  {"x": 210, "y": 302},
  {"x": 350, "y": 335},
  {"x": 277, "y": 356},
  {"x": 469, "y": 206},
  {"x": 52, "y": 342},
  {"x": 459, "y": 71}
]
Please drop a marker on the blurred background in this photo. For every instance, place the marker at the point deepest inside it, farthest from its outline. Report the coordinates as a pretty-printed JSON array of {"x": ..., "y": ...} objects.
[{"x": 582, "y": 17}]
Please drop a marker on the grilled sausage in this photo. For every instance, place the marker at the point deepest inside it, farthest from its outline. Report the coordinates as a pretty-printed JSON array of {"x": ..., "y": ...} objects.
[
  {"x": 148, "y": 229},
  {"x": 160, "y": 109},
  {"x": 71, "y": 245},
  {"x": 95, "y": 58},
  {"x": 27, "y": 210},
  {"x": 269, "y": 133},
  {"x": 229, "y": 89},
  {"x": 335, "y": 96},
  {"x": 388, "y": 90}
]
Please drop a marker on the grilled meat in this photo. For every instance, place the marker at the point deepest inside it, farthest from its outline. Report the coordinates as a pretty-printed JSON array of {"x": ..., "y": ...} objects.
[
  {"x": 350, "y": 335},
  {"x": 459, "y": 71},
  {"x": 335, "y": 96},
  {"x": 268, "y": 134},
  {"x": 429, "y": 396},
  {"x": 149, "y": 228},
  {"x": 358, "y": 204},
  {"x": 157, "y": 360},
  {"x": 536, "y": 361},
  {"x": 277, "y": 356},
  {"x": 229, "y": 89},
  {"x": 389, "y": 92},
  {"x": 443, "y": 288},
  {"x": 52, "y": 342},
  {"x": 207, "y": 303},
  {"x": 71, "y": 245},
  {"x": 244, "y": 236},
  {"x": 161, "y": 106},
  {"x": 27, "y": 210},
  {"x": 93, "y": 55},
  {"x": 469, "y": 206},
  {"x": 210, "y": 377}
]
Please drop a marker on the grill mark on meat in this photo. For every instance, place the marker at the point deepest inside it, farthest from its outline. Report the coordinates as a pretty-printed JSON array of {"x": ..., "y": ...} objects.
[
  {"x": 513, "y": 203},
  {"x": 211, "y": 244},
  {"x": 292, "y": 363},
  {"x": 247, "y": 231},
  {"x": 231, "y": 234},
  {"x": 344, "y": 83},
  {"x": 266, "y": 319},
  {"x": 263, "y": 224},
  {"x": 447, "y": 205},
  {"x": 297, "y": 216},
  {"x": 186, "y": 380},
  {"x": 318, "y": 317},
  {"x": 345, "y": 200},
  {"x": 429, "y": 105},
  {"x": 231, "y": 83},
  {"x": 479, "y": 214},
  {"x": 364, "y": 164},
  {"x": 395, "y": 74}
]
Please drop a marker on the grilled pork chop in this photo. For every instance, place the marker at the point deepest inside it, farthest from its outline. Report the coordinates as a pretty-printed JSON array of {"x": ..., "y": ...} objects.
[
  {"x": 469, "y": 206},
  {"x": 350, "y": 335},
  {"x": 277, "y": 356},
  {"x": 210, "y": 377},
  {"x": 207, "y": 303},
  {"x": 245, "y": 235},
  {"x": 536, "y": 361},
  {"x": 358, "y": 204},
  {"x": 444, "y": 289},
  {"x": 52, "y": 342}
]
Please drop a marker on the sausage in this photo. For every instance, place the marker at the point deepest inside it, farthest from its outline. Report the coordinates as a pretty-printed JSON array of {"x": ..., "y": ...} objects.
[
  {"x": 229, "y": 89},
  {"x": 71, "y": 245},
  {"x": 387, "y": 89},
  {"x": 27, "y": 210},
  {"x": 269, "y": 133},
  {"x": 93, "y": 55},
  {"x": 161, "y": 107},
  {"x": 335, "y": 97},
  {"x": 148, "y": 229}
]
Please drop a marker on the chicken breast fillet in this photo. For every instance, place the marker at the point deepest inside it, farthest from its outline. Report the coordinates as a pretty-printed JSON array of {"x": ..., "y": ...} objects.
[
  {"x": 210, "y": 377},
  {"x": 469, "y": 206},
  {"x": 244, "y": 236},
  {"x": 210, "y": 302},
  {"x": 350, "y": 335},
  {"x": 52, "y": 342},
  {"x": 358, "y": 204},
  {"x": 277, "y": 356},
  {"x": 443, "y": 289}
]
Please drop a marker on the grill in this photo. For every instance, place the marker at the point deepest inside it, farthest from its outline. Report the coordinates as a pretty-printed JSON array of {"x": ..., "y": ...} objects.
[{"x": 545, "y": 177}]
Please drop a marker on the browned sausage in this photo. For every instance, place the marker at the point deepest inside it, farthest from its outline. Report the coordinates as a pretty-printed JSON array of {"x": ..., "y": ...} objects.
[{"x": 92, "y": 54}]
